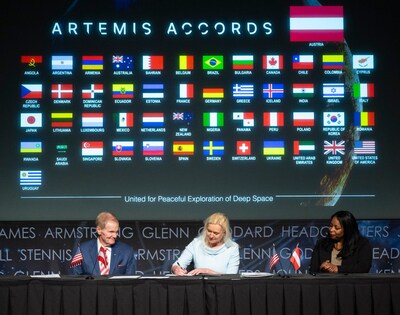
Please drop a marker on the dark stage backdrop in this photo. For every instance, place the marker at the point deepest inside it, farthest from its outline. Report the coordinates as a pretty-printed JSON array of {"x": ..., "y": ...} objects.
[
  {"x": 36, "y": 248},
  {"x": 174, "y": 109}
]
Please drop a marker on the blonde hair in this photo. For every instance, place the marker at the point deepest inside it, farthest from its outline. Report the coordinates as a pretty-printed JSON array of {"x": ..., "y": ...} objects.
[
  {"x": 222, "y": 220},
  {"x": 104, "y": 217}
]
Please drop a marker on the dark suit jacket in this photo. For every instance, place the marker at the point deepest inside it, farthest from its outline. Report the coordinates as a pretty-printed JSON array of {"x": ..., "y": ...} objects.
[
  {"x": 359, "y": 262},
  {"x": 122, "y": 260}
]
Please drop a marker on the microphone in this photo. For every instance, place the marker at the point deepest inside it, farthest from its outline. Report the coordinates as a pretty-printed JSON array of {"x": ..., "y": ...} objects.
[{"x": 90, "y": 277}]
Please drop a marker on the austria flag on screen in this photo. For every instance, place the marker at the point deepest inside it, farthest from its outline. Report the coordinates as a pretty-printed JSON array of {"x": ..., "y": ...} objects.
[{"x": 316, "y": 24}]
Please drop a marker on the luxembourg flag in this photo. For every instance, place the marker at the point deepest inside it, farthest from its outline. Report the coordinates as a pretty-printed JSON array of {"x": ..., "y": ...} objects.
[{"x": 316, "y": 24}]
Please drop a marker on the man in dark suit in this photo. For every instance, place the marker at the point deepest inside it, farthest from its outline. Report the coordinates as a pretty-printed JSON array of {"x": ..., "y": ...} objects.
[{"x": 104, "y": 255}]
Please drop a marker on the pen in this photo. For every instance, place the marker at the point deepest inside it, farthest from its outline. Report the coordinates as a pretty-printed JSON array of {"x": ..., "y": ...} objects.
[{"x": 180, "y": 266}]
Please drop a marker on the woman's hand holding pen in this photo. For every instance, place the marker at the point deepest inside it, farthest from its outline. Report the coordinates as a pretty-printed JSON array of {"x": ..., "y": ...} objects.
[{"x": 178, "y": 270}]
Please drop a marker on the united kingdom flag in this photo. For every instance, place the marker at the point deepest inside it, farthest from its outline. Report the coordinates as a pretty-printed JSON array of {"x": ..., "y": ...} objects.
[{"x": 334, "y": 147}]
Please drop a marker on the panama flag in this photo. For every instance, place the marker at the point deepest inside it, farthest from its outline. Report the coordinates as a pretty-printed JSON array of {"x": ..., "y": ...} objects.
[
  {"x": 92, "y": 91},
  {"x": 186, "y": 90},
  {"x": 122, "y": 148},
  {"x": 272, "y": 62},
  {"x": 273, "y": 119},
  {"x": 295, "y": 258},
  {"x": 303, "y": 62},
  {"x": 363, "y": 90},
  {"x": 153, "y": 62},
  {"x": 213, "y": 119},
  {"x": 246, "y": 118},
  {"x": 124, "y": 120},
  {"x": 29, "y": 91},
  {"x": 61, "y": 90},
  {"x": 303, "y": 119},
  {"x": 334, "y": 119},
  {"x": 186, "y": 62},
  {"x": 275, "y": 147},
  {"x": 300, "y": 147},
  {"x": 316, "y": 24},
  {"x": 92, "y": 148},
  {"x": 363, "y": 62},
  {"x": 303, "y": 90},
  {"x": 243, "y": 147}
]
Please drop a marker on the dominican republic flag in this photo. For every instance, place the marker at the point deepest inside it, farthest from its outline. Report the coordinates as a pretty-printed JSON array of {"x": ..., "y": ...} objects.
[{"x": 316, "y": 24}]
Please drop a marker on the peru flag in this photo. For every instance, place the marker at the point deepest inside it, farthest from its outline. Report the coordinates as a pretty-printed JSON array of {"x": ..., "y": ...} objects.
[{"x": 316, "y": 24}]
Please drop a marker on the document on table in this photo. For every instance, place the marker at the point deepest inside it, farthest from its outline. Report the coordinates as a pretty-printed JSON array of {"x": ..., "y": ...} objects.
[{"x": 256, "y": 274}]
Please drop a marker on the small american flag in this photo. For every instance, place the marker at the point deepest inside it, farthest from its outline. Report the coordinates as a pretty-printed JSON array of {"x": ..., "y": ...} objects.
[{"x": 77, "y": 259}]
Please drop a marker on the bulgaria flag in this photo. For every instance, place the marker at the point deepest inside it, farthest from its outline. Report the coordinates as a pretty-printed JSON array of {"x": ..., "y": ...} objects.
[
  {"x": 363, "y": 90},
  {"x": 316, "y": 24}
]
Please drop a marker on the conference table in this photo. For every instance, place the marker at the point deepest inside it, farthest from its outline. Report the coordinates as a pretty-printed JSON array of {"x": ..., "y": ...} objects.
[{"x": 304, "y": 294}]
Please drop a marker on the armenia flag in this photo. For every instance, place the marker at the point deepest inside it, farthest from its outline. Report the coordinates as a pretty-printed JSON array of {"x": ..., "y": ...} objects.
[
  {"x": 213, "y": 148},
  {"x": 363, "y": 90},
  {"x": 123, "y": 90},
  {"x": 316, "y": 24},
  {"x": 92, "y": 62},
  {"x": 242, "y": 62},
  {"x": 332, "y": 62},
  {"x": 122, "y": 148},
  {"x": 213, "y": 62},
  {"x": 213, "y": 119},
  {"x": 364, "y": 119},
  {"x": 275, "y": 147},
  {"x": 186, "y": 62}
]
